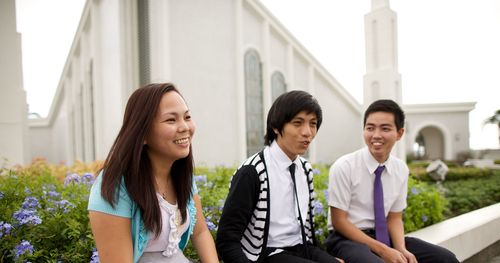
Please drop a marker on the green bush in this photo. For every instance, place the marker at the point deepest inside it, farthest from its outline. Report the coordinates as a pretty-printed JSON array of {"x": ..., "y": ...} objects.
[
  {"x": 43, "y": 208},
  {"x": 454, "y": 173},
  {"x": 426, "y": 206},
  {"x": 473, "y": 193},
  {"x": 43, "y": 219}
]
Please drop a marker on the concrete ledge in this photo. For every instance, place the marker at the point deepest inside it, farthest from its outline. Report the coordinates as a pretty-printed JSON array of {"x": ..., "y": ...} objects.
[{"x": 467, "y": 234}]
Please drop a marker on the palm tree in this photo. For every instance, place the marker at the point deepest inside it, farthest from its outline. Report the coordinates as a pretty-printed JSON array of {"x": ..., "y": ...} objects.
[{"x": 495, "y": 119}]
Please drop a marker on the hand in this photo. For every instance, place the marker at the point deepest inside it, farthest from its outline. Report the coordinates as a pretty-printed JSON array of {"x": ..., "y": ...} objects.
[
  {"x": 391, "y": 255},
  {"x": 409, "y": 256},
  {"x": 340, "y": 260}
]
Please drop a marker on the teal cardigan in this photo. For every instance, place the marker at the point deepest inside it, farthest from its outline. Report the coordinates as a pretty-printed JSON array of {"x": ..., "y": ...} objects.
[{"x": 125, "y": 207}]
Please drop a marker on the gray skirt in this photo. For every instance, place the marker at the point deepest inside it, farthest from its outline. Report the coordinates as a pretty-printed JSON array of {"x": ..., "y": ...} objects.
[{"x": 157, "y": 257}]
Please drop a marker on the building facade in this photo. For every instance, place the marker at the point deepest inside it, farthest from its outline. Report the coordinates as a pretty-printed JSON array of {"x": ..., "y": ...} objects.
[{"x": 230, "y": 59}]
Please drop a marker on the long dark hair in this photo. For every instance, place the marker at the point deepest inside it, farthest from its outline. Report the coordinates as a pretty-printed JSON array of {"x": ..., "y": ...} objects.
[{"x": 128, "y": 159}]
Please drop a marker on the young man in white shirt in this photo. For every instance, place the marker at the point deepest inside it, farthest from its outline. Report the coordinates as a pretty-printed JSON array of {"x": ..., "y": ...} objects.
[
  {"x": 267, "y": 216},
  {"x": 367, "y": 196}
]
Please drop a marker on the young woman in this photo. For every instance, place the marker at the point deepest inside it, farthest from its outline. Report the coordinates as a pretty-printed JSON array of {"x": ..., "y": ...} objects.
[{"x": 144, "y": 204}]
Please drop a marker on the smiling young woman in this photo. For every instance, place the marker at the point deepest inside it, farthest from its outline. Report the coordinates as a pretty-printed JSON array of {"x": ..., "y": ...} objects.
[{"x": 144, "y": 204}]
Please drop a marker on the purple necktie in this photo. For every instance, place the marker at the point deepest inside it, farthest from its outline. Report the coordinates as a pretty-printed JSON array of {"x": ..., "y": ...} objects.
[{"x": 381, "y": 232}]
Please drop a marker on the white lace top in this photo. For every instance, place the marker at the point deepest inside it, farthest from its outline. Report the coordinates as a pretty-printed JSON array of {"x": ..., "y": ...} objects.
[{"x": 168, "y": 240}]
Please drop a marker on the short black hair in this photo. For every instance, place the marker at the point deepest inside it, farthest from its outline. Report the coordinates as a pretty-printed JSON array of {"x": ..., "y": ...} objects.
[
  {"x": 389, "y": 106},
  {"x": 286, "y": 107}
]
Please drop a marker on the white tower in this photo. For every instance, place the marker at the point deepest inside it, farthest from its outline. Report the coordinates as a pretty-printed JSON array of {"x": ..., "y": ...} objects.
[
  {"x": 13, "y": 108},
  {"x": 382, "y": 79}
]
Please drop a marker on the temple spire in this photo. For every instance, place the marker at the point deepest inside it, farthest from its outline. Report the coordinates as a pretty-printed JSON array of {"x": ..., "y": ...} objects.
[{"x": 377, "y": 4}]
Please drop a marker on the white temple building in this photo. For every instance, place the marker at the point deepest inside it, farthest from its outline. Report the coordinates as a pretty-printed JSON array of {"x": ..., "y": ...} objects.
[{"x": 230, "y": 59}]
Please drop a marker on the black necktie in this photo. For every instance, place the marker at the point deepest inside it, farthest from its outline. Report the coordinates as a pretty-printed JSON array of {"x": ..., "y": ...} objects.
[{"x": 302, "y": 230}]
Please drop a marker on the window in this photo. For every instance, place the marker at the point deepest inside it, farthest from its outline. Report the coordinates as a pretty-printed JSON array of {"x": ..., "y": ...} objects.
[
  {"x": 278, "y": 85},
  {"x": 253, "y": 102}
]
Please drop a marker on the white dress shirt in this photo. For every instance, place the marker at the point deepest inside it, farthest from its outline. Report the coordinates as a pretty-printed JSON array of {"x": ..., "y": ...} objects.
[
  {"x": 284, "y": 228},
  {"x": 351, "y": 186}
]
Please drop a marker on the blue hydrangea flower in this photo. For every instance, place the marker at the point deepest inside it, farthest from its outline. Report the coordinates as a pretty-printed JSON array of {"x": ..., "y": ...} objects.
[
  {"x": 24, "y": 248},
  {"x": 319, "y": 232},
  {"x": 211, "y": 226},
  {"x": 72, "y": 178},
  {"x": 424, "y": 218},
  {"x": 30, "y": 203},
  {"x": 414, "y": 190},
  {"x": 316, "y": 171},
  {"x": 54, "y": 194},
  {"x": 27, "y": 190},
  {"x": 5, "y": 228},
  {"x": 326, "y": 194},
  {"x": 95, "y": 256},
  {"x": 26, "y": 216},
  {"x": 65, "y": 205},
  {"x": 317, "y": 207},
  {"x": 88, "y": 178},
  {"x": 1, "y": 195}
]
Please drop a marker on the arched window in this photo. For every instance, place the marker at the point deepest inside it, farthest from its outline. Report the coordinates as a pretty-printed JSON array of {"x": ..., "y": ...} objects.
[
  {"x": 278, "y": 85},
  {"x": 254, "y": 102}
]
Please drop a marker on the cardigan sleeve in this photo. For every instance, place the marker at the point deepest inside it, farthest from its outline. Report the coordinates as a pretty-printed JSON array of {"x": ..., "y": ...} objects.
[
  {"x": 123, "y": 205},
  {"x": 238, "y": 209}
]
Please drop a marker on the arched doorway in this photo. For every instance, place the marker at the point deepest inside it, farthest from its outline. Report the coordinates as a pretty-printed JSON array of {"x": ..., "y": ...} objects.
[{"x": 429, "y": 144}]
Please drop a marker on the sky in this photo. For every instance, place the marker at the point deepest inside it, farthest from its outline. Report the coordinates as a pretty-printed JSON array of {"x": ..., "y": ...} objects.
[{"x": 448, "y": 50}]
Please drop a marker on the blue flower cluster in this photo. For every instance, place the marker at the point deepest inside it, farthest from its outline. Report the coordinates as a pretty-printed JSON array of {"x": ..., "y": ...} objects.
[
  {"x": 95, "y": 256},
  {"x": 24, "y": 248},
  {"x": 33, "y": 211},
  {"x": 27, "y": 217},
  {"x": 4, "y": 228},
  {"x": 317, "y": 208}
]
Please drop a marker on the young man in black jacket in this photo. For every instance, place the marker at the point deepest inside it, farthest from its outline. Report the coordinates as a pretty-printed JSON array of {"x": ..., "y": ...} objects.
[{"x": 268, "y": 215}]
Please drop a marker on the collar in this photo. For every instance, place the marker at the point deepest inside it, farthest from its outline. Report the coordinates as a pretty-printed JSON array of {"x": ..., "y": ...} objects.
[
  {"x": 372, "y": 164},
  {"x": 280, "y": 158}
]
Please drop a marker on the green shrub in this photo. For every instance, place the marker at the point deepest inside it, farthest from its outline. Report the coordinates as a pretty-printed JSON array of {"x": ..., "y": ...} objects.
[
  {"x": 53, "y": 229},
  {"x": 473, "y": 193},
  {"x": 426, "y": 206},
  {"x": 454, "y": 173},
  {"x": 43, "y": 219}
]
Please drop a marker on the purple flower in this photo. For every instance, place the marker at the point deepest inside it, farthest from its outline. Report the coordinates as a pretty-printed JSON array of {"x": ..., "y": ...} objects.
[
  {"x": 30, "y": 203},
  {"x": 317, "y": 207},
  {"x": 53, "y": 194},
  {"x": 88, "y": 178},
  {"x": 27, "y": 190},
  {"x": 316, "y": 171},
  {"x": 95, "y": 256},
  {"x": 424, "y": 218},
  {"x": 414, "y": 190},
  {"x": 211, "y": 226},
  {"x": 326, "y": 194},
  {"x": 4, "y": 228},
  {"x": 319, "y": 232},
  {"x": 200, "y": 178},
  {"x": 72, "y": 178},
  {"x": 25, "y": 216},
  {"x": 24, "y": 248},
  {"x": 65, "y": 205},
  {"x": 1, "y": 195}
]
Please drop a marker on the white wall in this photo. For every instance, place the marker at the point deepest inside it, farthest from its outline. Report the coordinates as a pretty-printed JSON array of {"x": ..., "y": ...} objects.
[
  {"x": 14, "y": 140},
  {"x": 451, "y": 119}
]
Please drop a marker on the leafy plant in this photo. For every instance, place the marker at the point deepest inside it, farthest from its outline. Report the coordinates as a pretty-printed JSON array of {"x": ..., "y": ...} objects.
[{"x": 43, "y": 219}]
